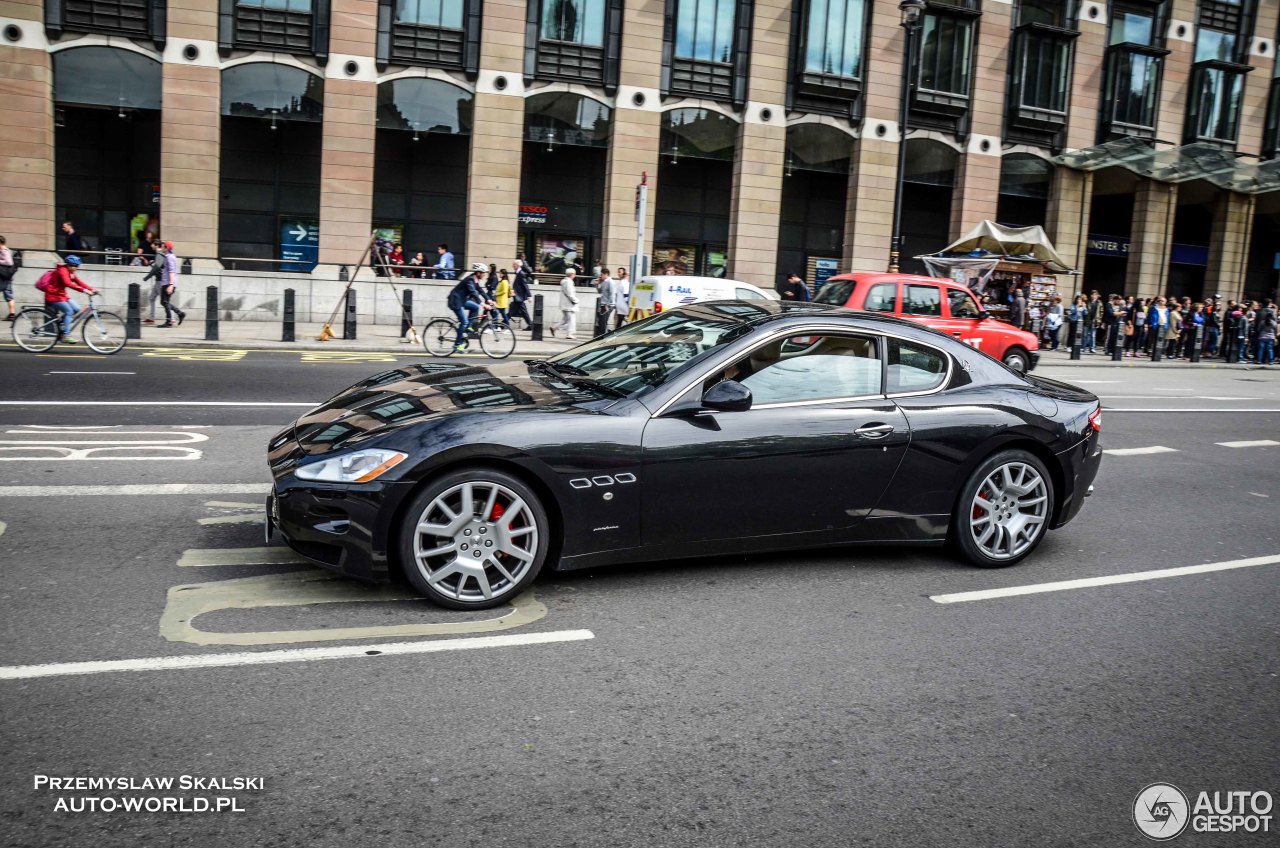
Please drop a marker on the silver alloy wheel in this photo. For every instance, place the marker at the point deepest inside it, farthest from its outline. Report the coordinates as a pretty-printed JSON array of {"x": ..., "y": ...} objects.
[
  {"x": 1016, "y": 360},
  {"x": 1009, "y": 510},
  {"x": 475, "y": 541}
]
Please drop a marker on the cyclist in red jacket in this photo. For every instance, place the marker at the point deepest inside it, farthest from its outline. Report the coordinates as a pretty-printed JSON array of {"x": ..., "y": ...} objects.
[{"x": 56, "y": 298}]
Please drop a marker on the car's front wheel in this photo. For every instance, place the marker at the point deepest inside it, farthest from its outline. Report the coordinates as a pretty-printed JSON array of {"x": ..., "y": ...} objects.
[
  {"x": 473, "y": 539},
  {"x": 1017, "y": 359},
  {"x": 1003, "y": 510}
]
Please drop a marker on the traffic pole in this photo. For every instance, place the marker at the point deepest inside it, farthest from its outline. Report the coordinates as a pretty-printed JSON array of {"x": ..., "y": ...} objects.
[
  {"x": 211, "y": 314},
  {"x": 406, "y": 313},
  {"x": 349, "y": 320},
  {"x": 537, "y": 318},
  {"x": 287, "y": 332},
  {"x": 133, "y": 315}
]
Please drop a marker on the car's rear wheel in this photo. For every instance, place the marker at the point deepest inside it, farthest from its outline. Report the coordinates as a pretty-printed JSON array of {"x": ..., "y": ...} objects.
[
  {"x": 1003, "y": 510},
  {"x": 1017, "y": 359},
  {"x": 474, "y": 539}
]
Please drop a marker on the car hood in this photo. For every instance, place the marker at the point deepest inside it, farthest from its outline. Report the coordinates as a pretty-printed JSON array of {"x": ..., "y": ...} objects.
[{"x": 417, "y": 393}]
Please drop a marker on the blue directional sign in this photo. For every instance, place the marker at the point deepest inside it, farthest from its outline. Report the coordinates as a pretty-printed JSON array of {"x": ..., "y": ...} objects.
[{"x": 299, "y": 244}]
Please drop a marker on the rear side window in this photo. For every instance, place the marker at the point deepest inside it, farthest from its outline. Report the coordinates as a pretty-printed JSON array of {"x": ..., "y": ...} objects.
[
  {"x": 914, "y": 368},
  {"x": 748, "y": 294},
  {"x": 836, "y": 292},
  {"x": 963, "y": 305},
  {"x": 921, "y": 300},
  {"x": 882, "y": 298}
]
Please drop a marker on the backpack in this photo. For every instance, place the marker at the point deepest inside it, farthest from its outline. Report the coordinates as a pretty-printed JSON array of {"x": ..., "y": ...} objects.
[{"x": 45, "y": 282}]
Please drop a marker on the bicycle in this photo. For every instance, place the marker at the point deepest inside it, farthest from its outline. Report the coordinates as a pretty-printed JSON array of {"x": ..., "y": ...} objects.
[
  {"x": 496, "y": 337},
  {"x": 36, "y": 330}
]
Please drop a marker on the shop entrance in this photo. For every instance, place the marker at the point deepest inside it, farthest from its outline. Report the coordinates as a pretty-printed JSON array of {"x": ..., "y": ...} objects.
[{"x": 814, "y": 192}]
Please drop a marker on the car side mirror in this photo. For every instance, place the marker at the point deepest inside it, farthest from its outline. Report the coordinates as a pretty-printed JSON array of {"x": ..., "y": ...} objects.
[
  {"x": 727, "y": 396},
  {"x": 984, "y": 315}
]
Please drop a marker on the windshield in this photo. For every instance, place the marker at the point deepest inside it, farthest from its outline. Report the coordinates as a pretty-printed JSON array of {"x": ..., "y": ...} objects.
[
  {"x": 835, "y": 292},
  {"x": 644, "y": 355}
]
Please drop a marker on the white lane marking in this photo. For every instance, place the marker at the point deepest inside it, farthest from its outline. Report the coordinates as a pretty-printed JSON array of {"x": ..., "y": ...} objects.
[
  {"x": 1219, "y": 397},
  {"x": 1146, "y": 397},
  {"x": 1256, "y": 443},
  {"x": 1139, "y": 451},
  {"x": 251, "y": 518},
  {"x": 1093, "y": 382},
  {"x": 26, "y": 672},
  {"x": 93, "y": 372},
  {"x": 208, "y": 557},
  {"x": 233, "y": 505},
  {"x": 3, "y": 526},
  {"x": 56, "y": 454},
  {"x": 1088, "y": 582},
  {"x": 150, "y": 403},
  {"x": 1259, "y": 495},
  {"x": 149, "y": 437},
  {"x": 136, "y": 489}
]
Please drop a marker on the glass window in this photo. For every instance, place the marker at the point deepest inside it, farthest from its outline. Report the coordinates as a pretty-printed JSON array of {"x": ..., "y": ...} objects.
[
  {"x": 272, "y": 90},
  {"x": 424, "y": 105},
  {"x": 277, "y": 5},
  {"x": 882, "y": 298},
  {"x": 914, "y": 368},
  {"x": 1134, "y": 81},
  {"x": 106, "y": 76},
  {"x": 704, "y": 30},
  {"x": 579, "y": 21},
  {"x": 748, "y": 294},
  {"x": 921, "y": 300},
  {"x": 1130, "y": 27},
  {"x": 1049, "y": 12},
  {"x": 1045, "y": 64},
  {"x": 1214, "y": 44},
  {"x": 436, "y": 13},
  {"x": 944, "y": 54},
  {"x": 1217, "y": 103},
  {"x": 836, "y": 293},
  {"x": 833, "y": 40},
  {"x": 811, "y": 368},
  {"x": 963, "y": 305}
]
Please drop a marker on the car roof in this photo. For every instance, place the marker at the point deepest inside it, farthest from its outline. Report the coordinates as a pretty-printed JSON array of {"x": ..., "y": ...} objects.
[
  {"x": 761, "y": 312},
  {"x": 866, "y": 277},
  {"x": 683, "y": 278}
]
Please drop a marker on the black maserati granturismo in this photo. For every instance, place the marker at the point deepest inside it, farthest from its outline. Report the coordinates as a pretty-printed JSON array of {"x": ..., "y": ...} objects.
[{"x": 716, "y": 428}]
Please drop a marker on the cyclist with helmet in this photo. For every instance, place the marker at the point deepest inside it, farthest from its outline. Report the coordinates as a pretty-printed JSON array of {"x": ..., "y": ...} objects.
[
  {"x": 56, "y": 297},
  {"x": 467, "y": 299}
]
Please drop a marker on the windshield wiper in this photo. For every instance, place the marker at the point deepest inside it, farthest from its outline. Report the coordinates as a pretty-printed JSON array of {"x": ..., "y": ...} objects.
[{"x": 575, "y": 375}]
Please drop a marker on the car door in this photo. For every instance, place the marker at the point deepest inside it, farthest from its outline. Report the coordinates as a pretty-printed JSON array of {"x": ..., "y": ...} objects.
[
  {"x": 963, "y": 320},
  {"x": 812, "y": 456}
]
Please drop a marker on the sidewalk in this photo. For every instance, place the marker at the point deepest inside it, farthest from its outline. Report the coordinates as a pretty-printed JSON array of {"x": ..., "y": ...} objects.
[
  {"x": 265, "y": 335},
  {"x": 1061, "y": 358}
]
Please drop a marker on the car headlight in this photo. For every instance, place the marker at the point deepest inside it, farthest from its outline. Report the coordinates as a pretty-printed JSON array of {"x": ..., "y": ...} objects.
[{"x": 358, "y": 467}]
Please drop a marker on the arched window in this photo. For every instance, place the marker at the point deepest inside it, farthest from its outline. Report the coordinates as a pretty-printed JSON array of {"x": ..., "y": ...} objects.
[
  {"x": 698, "y": 133},
  {"x": 424, "y": 105},
  {"x": 272, "y": 90},
  {"x": 561, "y": 117},
  {"x": 1024, "y": 190},
  {"x": 106, "y": 76}
]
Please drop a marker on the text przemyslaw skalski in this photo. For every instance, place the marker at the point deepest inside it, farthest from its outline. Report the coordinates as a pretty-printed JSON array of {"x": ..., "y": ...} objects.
[{"x": 182, "y": 783}]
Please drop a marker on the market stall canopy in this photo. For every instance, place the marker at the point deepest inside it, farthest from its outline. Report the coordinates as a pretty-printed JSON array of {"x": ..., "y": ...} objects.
[{"x": 990, "y": 240}]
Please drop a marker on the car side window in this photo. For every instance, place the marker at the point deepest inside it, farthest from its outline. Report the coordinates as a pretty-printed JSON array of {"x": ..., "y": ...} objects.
[
  {"x": 914, "y": 368},
  {"x": 921, "y": 300},
  {"x": 963, "y": 305},
  {"x": 811, "y": 368},
  {"x": 747, "y": 294},
  {"x": 882, "y": 298}
]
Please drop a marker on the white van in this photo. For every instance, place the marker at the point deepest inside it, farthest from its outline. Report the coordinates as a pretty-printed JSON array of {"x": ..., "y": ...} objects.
[{"x": 654, "y": 294}]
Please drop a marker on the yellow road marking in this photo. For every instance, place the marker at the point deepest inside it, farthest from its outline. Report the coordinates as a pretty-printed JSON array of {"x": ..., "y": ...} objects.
[
  {"x": 208, "y": 557},
  {"x": 301, "y": 588},
  {"x": 198, "y": 354},
  {"x": 346, "y": 356}
]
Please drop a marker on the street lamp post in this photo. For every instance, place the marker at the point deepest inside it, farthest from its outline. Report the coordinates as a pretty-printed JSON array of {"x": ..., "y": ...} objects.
[{"x": 911, "y": 12}]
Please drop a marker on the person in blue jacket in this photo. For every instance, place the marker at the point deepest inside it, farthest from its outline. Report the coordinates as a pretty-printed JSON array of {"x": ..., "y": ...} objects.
[{"x": 466, "y": 300}]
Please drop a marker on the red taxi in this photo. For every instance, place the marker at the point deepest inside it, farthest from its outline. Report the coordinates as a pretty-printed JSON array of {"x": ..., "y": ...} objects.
[{"x": 941, "y": 304}]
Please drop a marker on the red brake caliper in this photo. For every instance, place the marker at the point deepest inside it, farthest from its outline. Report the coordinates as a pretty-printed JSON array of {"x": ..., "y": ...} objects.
[{"x": 498, "y": 510}]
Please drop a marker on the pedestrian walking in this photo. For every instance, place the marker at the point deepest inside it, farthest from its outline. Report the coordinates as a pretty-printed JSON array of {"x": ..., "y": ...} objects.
[
  {"x": 521, "y": 293},
  {"x": 502, "y": 296},
  {"x": 1018, "y": 309},
  {"x": 72, "y": 241},
  {"x": 168, "y": 288},
  {"x": 156, "y": 276},
  {"x": 622, "y": 298},
  {"x": 1093, "y": 322},
  {"x": 1053, "y": 322},
  {"x": 794, "y": 290},
  {"x": 1267, "y": 333},
  {"x": 606, "y": 302},
  {"x": 7, "y": 271},
  {"x": 1241, "y": 333},
  {"x": 568, "y": 306}
]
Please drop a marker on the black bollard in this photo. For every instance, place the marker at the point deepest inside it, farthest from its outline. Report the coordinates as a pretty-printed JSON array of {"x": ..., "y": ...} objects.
[
  {"x": 349, "y": 321},
  {"x": 1077, "y": 337},
  {"x": 1117, "y": 341},
  {"x": 211, "y": 314},
  {"x": 537, "y": 318},
  {"x": 287, "y": 332},
  {"x": 406, "y": 318},
  {"x": 1157, "y": 349},
  {"x": 1197, "y": 342},
  {"x": 133, "y": 313}
]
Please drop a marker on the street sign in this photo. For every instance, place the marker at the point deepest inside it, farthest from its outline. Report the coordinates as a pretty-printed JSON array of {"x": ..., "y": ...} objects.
[{"x": 299, "y": 244}]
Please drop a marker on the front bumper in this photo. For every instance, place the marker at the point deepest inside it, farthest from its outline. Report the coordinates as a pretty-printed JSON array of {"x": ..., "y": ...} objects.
[{"x": 1035, "y": 359}]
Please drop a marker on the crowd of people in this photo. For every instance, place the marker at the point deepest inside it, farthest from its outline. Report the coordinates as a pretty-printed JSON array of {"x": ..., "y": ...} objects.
[{"x": 1243, "y": 331}]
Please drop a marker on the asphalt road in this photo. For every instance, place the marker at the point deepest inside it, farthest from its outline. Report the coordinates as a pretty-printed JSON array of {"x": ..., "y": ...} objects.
[{"x": 792, "y": 700}]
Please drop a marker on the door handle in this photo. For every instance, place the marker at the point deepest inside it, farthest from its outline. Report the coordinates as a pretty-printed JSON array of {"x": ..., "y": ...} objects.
[{"x": 874, "y": 431}]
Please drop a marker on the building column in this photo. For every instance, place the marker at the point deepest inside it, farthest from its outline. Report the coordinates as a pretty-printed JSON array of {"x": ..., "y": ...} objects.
[
  {"x": 868, "y": 221},
  {"x": 190, "y": 127},
  {"x": 1257, "y": 85},
  {"x": 1175, "y": 79},
  {"x": 350, "y": 125},
  {"x": 1229, "y": 245},
  {"x": 635, "y": 135},
  {"x": 26, "y": 133},
  {"x": 1067, "y": 218},
  {"x": 1087, "y": 69},
  {"x": 1154, "y": 208},
  {"x": 497, "y": 137},
  {"x": 975, "y": 197},
  {"x": 976, "y": 194},
  {"x": 755, "y": 211}
]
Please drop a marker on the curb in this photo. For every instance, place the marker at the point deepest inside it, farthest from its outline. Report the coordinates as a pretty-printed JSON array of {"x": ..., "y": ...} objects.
[
  {"x": 1147, "y": 364},
  {"x": 338, "y": 347}
]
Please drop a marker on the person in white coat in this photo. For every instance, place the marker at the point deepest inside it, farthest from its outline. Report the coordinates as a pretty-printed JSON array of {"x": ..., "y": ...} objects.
[
  {"x": 568, "y": 306},
  {"x": 622, "y": 298}
]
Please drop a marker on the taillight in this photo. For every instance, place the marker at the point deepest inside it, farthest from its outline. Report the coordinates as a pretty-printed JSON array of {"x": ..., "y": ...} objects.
[
  {"x": 657, "y": 307},
  {"x": 1095, "y": 420}
]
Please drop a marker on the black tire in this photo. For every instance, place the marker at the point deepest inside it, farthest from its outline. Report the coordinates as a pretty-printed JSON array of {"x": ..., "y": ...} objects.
[
  {"x": 473, "y": 555},
  {"x": 439, "y": 336},
  {"x": 1018, "y": 359},
  {"x": 34, "y": 330},
  {"x": 969, "y": 525},
  {"x": 104, "y": 333},
  {"x": 497, "y": 340}
]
